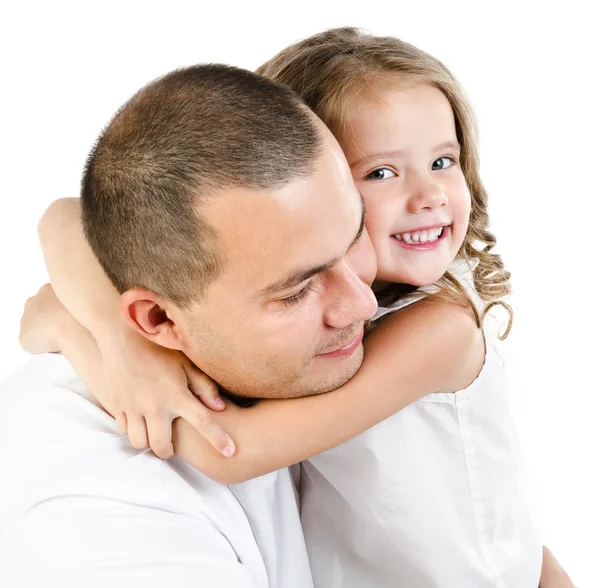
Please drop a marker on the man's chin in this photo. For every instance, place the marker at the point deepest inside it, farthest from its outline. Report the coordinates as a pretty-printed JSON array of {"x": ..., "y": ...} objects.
[
  {"x": 341, "y": 371},
  {"x": 322, "y": 379}
]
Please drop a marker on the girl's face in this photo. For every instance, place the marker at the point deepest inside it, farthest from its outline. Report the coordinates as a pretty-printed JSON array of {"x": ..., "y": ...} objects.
[{"x": 404, "y": 156}]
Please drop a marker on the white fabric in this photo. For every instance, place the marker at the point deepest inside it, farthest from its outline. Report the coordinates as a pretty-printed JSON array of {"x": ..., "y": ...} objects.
[
  {"x": 429, "y": 498},
  {"x": 79, "y": 507}
]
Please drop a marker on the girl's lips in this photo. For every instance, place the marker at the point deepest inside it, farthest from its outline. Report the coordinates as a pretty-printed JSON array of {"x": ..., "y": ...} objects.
[
  {"x": 347, "y": 349},
  {"x": 428, "y": 246},
  {"x": 427, "y": 228}
]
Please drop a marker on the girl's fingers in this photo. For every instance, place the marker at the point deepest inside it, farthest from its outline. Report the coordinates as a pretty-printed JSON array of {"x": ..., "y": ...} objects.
[
  {"x": 136, "y": 429},
  {"x": 204, "y": 388},
  {"x": 160, "y": 436},
  {"x": 199, "y": 417},
  {"x": 121, "y": 419}
]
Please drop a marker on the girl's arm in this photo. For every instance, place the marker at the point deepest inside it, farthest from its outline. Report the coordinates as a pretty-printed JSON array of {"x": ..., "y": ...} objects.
[
  {"x": 427, "y": 347},
  {"x": 89, "y": 296}
]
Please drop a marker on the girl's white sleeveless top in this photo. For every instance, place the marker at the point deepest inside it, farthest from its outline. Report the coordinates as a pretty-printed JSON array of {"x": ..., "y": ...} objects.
[{"x": 428, "y": 498}]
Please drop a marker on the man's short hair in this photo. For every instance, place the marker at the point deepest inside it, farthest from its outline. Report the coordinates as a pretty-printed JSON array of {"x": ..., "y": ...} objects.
[{"x": 184, "y": 138}]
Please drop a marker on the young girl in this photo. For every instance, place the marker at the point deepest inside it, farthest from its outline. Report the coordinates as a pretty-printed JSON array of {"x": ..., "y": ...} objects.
[{"x": 430, "y": 496}]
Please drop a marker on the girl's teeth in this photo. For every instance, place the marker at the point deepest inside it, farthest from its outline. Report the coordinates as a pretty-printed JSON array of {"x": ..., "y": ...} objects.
[{"x": 420, "y": 236}]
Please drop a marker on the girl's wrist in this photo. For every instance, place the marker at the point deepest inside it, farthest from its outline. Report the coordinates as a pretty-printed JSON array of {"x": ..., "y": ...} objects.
[
  {"x": 67, "y": 333},
  {"x": 116, "y": 337}
]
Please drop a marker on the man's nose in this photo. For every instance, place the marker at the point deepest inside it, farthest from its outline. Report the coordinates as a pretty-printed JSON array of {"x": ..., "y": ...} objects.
[
  {"x": 425, "y": 194},
  {"x": 352, "y": 300}
]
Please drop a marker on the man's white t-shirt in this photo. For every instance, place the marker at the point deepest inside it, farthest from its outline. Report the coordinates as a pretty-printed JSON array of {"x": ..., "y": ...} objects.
[{"x": 80, "y": 507}]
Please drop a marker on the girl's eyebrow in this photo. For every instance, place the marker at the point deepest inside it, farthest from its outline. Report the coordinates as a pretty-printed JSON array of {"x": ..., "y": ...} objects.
[
  {"x": 448, "y": 145},
  {"x": 375, "y": 156},
  {"x": 400, "y": 153}
]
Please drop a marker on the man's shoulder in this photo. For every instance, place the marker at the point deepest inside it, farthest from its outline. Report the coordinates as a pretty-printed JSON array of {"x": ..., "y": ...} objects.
[
  {"x": 55, "y": 440},
  {"x": 68, "y": 471},
  {"x": 44, "y": 380},
  {"x": 44, "y": 401}
]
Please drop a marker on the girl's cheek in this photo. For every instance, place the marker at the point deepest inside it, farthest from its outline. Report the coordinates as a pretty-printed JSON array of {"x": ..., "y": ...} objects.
[{"x": 376, "y": 226}]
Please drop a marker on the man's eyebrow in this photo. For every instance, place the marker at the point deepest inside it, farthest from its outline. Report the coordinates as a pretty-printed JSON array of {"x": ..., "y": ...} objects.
[
  {"x": 300, "y": 276},
  {"x": 399, "y": 153},
  {"x": 361, "y": 228}
]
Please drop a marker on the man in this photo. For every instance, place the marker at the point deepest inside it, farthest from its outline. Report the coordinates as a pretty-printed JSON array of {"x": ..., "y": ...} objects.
[{"x": 211, "y": 200}]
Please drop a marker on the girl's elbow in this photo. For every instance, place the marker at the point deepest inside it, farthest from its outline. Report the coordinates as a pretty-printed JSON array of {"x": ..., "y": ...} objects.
[
  {"x": 227, "y": 473},
  {"x": 56, "y": 214},
  {"x": 229, "y": 477}
]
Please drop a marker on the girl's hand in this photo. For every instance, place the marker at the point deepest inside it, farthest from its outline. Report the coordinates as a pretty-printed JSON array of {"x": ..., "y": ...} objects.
[
  {"x": 145, "y": 386},
  {"x": 148, "y": 386}
]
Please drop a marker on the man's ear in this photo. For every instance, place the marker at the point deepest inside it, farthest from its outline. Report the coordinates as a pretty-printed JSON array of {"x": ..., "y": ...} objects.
[{"x": 153, "y": 317}]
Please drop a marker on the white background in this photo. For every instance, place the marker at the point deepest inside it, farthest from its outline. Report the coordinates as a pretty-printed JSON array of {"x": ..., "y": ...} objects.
[{"x": 530, "y": 71}]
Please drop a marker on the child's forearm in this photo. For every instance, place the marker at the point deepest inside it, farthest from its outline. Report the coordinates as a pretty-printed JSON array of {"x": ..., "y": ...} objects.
[
  {"x": 81, "y": 350},
  {"x": 76, "y": 275},
  {"x": 405, "y": 359}
]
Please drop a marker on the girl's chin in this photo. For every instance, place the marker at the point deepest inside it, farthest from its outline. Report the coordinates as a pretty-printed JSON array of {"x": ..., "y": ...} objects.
[{"x": 414, "y": 278}]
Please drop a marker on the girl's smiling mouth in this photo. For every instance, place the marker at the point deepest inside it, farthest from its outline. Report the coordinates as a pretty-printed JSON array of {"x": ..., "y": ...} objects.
[{"x": 422, "y": 239}]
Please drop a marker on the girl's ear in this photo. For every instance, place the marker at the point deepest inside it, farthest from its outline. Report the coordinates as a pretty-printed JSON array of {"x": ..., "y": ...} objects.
[{"x": 148, "y": 314}]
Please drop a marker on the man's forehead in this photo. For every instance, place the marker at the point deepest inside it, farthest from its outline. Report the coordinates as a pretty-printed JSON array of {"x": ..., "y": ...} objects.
[
  {"x": 268, "y": 234},
  {"x": 266, "y": 243},
  {"x": 302, "y": 271}
]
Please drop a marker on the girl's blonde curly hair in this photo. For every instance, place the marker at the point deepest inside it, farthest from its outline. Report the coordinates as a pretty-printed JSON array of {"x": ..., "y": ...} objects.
[{"x": 333, "y": 69}]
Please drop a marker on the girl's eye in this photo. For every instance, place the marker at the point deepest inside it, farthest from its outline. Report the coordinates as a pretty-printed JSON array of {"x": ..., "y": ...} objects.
[
  {"x": 442, "y": 163},
  {"x": 299, "y": 295},
  {"x": 382, "y": 173}
]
